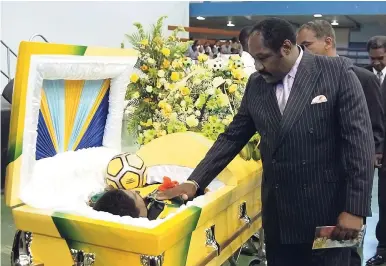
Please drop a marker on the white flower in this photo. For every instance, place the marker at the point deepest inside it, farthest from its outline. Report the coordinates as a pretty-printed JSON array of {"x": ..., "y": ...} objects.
[
  {"x": 151, "y": 61},
  {"x": 228, "y": 82},
  {"x": 192, "y": 121},
  {"x": 217, "y": 82},
  {"x": 161, "y": 73},
  {"x": 177, "y": 95},
  {"x": 190, "y": 110},
  {"x": 139, "y": 127},
  {"x": 197, "y": 113},
  {"x": 160, "y": 95},
  {"x": 162, "y": 80},
  {"x": 183, "y": 103},
  {"x": 149, "y": 89},
  {"x": 196, "y": 81},
  {"x": 210, "y": 91}
]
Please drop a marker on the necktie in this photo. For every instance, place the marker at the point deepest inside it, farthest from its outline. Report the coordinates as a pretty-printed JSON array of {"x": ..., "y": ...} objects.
[
  {"x": 379, "y": 76},
  {"x": 283, "y": 96}
]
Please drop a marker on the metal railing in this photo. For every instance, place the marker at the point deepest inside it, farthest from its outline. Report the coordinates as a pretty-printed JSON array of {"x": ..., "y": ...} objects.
[
  {"x": 38, "y": 35},
  {"x": 9, "y": 53}
]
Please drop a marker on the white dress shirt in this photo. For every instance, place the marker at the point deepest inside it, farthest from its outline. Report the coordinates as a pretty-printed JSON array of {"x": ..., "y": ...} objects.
[
  {"x": 383, "y": 74},
  {"x": 283, "y": 89}
]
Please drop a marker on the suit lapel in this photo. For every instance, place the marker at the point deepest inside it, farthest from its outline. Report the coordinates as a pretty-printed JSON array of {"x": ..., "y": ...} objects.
[{"x": 305, "y": 80}]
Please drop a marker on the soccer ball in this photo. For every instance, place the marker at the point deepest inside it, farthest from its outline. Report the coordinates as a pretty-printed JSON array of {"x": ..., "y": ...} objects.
[
  {"x": 217, "y": 66},
  {"x": 238, "y": 64},
  {"x": 126, "y": 171}
]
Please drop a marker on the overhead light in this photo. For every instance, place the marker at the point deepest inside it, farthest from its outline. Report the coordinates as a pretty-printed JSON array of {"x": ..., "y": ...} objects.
[
  {"x": 318, "y": 15},
  {"x": 200, "y": 18},
  {"x": 334, "y": 23},
  {"x": 230, "y": 24}
]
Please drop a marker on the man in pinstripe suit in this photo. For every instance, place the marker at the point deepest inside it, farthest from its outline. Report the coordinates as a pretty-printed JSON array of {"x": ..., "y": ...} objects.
[{"x": 317, "y": 147}]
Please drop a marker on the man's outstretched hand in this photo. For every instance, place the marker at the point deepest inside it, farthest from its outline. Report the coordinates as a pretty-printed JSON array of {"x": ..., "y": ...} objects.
[
  {"x": 185, "y": 191},
  {"x": 348, "y": 227}
]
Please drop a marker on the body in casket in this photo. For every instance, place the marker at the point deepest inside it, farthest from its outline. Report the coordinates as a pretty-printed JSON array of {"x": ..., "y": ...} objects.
[{"x": 66, "y": 126}]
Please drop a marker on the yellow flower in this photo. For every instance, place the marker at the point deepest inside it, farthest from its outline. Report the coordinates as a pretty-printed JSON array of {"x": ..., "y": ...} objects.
[
  {"x": 159, "y": 84},
  {"x": 144, "y": 68},
  {"x": 192, "y": 121},
  {"x": 136, "y": 95},
  {"x": 161, "y": 133},
  {"x": 165, "y": 51},
  {"x": 176, "y": 64},
  {"x": 202, "y": 57},
  {"x": 232, "y": 88},
  {"x": 148, "y": 123},
  {"x": 168, "y": 108},
  {"x": 162, "y": 104},
  {"x": 238, "y": 74},
  {"x": 223, "y": 100},
  {"x": 166, "y": 64},
  {"x": 144, "y": 42},
  {"x": 185, "y": 91},
  {"x": 175, "y": 76},
  {"x": 134, "y": 78}
]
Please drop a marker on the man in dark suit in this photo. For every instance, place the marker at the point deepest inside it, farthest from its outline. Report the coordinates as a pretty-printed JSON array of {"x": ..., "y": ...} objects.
[
  {"x": 316, "y": 144},
  {"x": 319, "y": 38},
  {"x": 376, "y": 47}
]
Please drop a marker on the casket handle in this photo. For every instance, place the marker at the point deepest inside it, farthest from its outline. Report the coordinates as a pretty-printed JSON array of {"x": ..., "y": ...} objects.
[
  {"x": 82, "y": 258},
  {"x": 147, "y": 260},
  {"x": 243, "y": 216},
  {"x": 211, "y": 239},
  {"x": 21, "y": 249}
]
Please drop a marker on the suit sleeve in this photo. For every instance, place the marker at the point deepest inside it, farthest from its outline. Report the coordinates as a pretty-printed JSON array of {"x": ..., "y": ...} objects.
[
  {"x": 357, "y": 149},
  {"x": 374, "y": 102},
  {"x": 227, "y": 145}
]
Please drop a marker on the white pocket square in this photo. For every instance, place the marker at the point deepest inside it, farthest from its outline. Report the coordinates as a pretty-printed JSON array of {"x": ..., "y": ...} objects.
[{"x": 319, "y": 99}]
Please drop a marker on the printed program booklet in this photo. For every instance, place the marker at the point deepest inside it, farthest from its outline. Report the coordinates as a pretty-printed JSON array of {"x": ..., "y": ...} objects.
[{"x": 323, "y": 239}]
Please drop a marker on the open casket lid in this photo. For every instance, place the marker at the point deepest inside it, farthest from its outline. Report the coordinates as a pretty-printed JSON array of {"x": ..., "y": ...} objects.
[{"x": 44, "y": 123}]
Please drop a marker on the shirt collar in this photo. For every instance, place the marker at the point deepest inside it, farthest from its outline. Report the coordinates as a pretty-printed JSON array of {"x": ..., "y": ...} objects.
[
  {"x": 294, "y": 68},
  {"x": 383, "y": 71}
]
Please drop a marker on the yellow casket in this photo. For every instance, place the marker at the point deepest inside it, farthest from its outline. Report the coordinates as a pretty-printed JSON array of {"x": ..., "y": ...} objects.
[{"x": 69, "y": 100}]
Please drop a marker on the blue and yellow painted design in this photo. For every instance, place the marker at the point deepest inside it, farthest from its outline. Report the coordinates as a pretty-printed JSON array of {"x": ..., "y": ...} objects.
[
  {"x": 61, "y": 133},
  {"x": 72, "y": 116}
]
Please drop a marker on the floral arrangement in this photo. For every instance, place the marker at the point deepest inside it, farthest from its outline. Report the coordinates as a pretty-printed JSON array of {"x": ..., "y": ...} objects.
[{"x": 175, "y": 94}]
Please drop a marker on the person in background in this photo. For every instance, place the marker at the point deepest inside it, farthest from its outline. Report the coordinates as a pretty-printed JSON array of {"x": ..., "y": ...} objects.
[
  {"x": 376, "y": 47},
  {"x": 226, "y": 48},
  {"x": 193, "y": 50},
  {"x": 249, "y": 62},
  {"x": 236, "y": 46},
  {"x": 216, "y": 49},
  {"x": 316, "y": 146},
  {"x": 208, "y": 49},
  {"x": 319, "y": 37}
]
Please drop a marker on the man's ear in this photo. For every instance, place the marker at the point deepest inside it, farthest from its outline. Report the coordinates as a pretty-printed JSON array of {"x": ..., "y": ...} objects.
[
  {"x": 329, "y": 43},
  {"x": 286, "y": 48}
]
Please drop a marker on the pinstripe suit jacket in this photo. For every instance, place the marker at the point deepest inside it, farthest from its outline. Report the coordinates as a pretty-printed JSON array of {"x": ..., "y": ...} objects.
[{"x": 317, "y": 159}]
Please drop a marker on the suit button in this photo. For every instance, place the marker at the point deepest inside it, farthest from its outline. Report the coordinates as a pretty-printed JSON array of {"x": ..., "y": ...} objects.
[
  {"x": 304, "y": 162},
  {"x": 304, "y": 186},
  {"x": 311, "y": 130},
  {"x": 273, "y": 161},
  {"x": 276, "y": 186}
]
